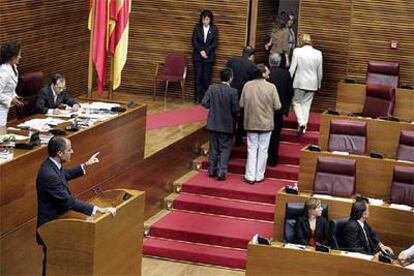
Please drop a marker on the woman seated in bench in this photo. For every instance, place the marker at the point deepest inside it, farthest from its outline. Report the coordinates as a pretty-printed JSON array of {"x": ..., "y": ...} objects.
[{"x": 312, "y": 228}]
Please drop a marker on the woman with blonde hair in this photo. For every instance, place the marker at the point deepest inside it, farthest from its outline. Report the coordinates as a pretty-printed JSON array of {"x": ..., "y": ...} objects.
[
  {"x": 312, "y": 228},
  {"x": 306, "y": 71}
]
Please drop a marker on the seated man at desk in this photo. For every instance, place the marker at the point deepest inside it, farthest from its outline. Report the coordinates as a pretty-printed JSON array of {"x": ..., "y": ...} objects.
[
  {"x": 312, "y": 228},
  {"x": 54, "y": 97},
  {"x": 358, "y": 236}
]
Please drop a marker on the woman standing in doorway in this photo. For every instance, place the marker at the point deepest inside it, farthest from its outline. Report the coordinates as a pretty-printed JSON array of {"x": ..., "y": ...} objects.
[
  {"x": 205, "y": 38},
  {"x": 9, "y": 58}
]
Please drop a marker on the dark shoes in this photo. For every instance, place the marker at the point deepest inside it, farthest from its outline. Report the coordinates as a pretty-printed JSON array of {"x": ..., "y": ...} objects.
[
  {"x": 220, "y": 177},
  {"x": 301, "y": 130},
  {"x": 212, "y": 174}
]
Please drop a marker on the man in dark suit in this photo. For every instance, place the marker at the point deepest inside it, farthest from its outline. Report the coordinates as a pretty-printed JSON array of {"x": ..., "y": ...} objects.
[
  {"x": 205, "y": 40},
  {"x": 54, "y": 96},
  {"x": 223, "y": 104},
  {"x": 280, "y": 77},
  {"x": 53, "y": 195},
  {"x": 243, "y": 70},
  {"x": 358, "y": 236}
]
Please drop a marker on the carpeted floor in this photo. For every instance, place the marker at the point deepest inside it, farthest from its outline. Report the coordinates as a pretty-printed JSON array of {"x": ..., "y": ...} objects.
[
  {"x": 176, "y": 117},
  {"x": 211, "y": 222}
]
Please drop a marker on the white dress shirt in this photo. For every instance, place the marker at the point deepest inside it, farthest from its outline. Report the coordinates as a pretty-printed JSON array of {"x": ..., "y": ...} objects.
[{"x": 206, "y": 29}]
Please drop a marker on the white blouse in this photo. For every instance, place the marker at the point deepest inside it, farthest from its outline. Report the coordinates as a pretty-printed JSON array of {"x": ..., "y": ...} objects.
[{"x": 8, "y": 83}]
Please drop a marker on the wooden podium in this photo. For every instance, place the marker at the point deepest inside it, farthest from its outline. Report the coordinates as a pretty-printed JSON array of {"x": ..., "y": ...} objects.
[{"x": 98, "y": 245}]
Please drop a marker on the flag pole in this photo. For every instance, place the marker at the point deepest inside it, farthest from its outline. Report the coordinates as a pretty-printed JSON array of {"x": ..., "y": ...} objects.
[
  {"x": 111, "y": 78},
  {"x": 90, "y": 64}
]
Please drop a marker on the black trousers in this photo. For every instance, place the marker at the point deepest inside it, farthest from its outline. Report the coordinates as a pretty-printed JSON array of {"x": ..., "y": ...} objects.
[
  {"x": 240, "y": 132},
  {"x": 219, "y": 152},
  {"x": 202, "y": 78},
  {"x": 273, "y": 150}
]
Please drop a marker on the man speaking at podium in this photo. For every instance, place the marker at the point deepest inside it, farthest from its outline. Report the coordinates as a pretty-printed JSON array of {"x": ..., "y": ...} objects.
[{"x": 53, "y": 195}]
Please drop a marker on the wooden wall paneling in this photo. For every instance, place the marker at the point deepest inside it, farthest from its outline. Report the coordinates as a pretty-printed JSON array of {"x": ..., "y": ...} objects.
[
  {"x": 349, "y": 33},
  {"x": 328, "y": 23},
  {"x": 161, "y": 27},
  {"x": 374, "y": 24},
  {"x": 54, "y": 36}
]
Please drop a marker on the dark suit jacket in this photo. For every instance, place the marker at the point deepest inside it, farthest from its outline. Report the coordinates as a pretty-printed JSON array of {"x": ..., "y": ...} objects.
[
  {"x": 45, "y": 100},
  {"x": 243, "y": 71},
  {"x": 209, "y": 46},
  {"x": 303, "y": 231},
  {"x": 354, "y": 240},
  {"x": 53, "y": 195},
  {"x": 284, "y": 84},
  {"x": 222, "y": 102}
]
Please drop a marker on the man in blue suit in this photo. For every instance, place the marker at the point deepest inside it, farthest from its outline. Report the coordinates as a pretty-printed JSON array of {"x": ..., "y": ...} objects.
[{"x": 53, "y": 195}]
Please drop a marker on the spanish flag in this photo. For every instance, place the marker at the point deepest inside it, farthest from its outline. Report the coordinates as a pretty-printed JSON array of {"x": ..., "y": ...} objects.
[
  {"x": 118, "y": 37},
  {"x": 98, "y": 24}
]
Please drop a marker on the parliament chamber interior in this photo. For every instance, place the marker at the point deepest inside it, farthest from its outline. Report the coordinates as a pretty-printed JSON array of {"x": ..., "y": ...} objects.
[{"x": 237, "y": 137}]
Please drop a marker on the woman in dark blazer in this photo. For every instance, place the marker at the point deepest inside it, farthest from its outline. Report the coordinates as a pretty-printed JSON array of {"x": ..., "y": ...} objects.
[
  {"x": 312, "y": 228},
  {"x": 205, "y": 38}
]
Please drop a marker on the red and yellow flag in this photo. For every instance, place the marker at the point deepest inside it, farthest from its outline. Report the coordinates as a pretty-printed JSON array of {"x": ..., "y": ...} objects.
[
  {"x": 98, "y": 24},
  {"x": 118, "y": 37},
  {"x": 109, "y": 21}
]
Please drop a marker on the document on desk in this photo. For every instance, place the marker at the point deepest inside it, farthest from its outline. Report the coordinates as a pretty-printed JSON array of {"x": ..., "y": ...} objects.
[
  {"x": 295, "y": 246},
  {"x": 375, "y": 201},
  {"x": 41, "y": 124},
  {"x": 99, "y": 105},
  {"x": 357, "y": 255},
  {"x": 401, "y": 207}
]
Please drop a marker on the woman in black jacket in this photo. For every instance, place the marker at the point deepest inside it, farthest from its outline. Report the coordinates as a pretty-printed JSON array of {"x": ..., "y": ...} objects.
[
  {"x": 312, "y": 228},
  {"x": 205, "y": 38}
]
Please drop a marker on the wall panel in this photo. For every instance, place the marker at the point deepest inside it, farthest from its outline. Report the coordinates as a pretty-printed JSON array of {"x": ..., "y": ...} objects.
[
  {"x": 161, "y": 27},
  {"x": 350, "y": 33},
  {"x": 54, "y": 37}
]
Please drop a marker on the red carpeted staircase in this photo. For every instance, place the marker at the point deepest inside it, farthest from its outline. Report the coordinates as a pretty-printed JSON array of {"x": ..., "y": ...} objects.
[{"x": 211, "y": 222}]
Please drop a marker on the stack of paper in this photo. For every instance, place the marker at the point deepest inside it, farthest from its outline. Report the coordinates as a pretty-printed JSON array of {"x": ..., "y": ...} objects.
[
  {"x": 295, "y": 246},
  {"x": 5, "y": 155},
  {"x": 357, "y": 255},
  {"x": 375, "y": 201},
  {"x": 401, "y": 207},
  {"x": 41, "y": 124}
]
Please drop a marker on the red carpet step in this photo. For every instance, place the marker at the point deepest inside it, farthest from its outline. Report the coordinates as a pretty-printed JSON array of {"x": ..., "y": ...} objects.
[
  {"x": 290, "y": 135},
  {"x": 209, "y": 229},
  {"x": 281, "y": 171},
  {"x": 224, "y": 206},
  {"x": 198, "y": 253},
  {"x": 234, "y": 187},
  {"x": 288, "y": 153},
  {"x": 313, "y": 124}
]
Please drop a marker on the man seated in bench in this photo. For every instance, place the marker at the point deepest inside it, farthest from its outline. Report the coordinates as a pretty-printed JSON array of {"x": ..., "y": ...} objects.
[
  {"x": 54, "y": 97},
  {"x": 358, "y": 236}
]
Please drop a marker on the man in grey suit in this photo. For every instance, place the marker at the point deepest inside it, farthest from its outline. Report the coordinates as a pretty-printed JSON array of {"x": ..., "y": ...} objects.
[{"x": 222, "y": 102}]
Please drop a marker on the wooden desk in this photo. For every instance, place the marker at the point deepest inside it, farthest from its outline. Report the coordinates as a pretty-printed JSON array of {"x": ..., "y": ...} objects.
[
  {"x": 394, "y": 227},
  {"x": 382, "y": 136},
  {"x": 277, "y": 260},
  {"x": 351, "y": 98},
  {"x": 120, "y": 141},
  {"x": 373, "y": 176}
]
